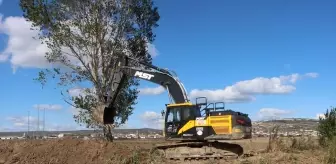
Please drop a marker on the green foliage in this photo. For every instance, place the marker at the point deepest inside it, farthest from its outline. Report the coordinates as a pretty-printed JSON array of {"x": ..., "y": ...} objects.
[
  {"x": 327, "y": 134},
  {"x": 330, "y": 157},
  {"x": 327, "y": 126},
  {"x": 86, "y": 41}
]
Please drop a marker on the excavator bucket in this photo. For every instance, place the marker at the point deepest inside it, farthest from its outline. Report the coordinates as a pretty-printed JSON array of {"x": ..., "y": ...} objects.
[
  {"x": 118, "y": 79},
  {"x": 109, "y": 113}
]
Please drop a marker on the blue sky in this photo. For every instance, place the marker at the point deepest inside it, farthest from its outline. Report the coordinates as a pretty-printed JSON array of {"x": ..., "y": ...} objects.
[{"x": 276, "y": 57}]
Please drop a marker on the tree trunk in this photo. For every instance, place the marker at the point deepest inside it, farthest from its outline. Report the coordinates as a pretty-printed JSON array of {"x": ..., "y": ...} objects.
[{"x": 108, "y": 133}]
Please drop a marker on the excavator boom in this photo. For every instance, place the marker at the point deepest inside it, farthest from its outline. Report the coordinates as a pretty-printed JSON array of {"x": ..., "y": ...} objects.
[
  {"x": 173, "y": 86},
  {"x": 129, "y": 67}
]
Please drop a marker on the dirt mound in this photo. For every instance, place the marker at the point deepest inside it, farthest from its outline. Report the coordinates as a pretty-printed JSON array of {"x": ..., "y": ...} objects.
[{"x": 73, "y": 151}]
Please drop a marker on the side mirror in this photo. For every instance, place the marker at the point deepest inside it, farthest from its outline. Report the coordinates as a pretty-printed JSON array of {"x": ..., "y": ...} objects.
[{"x": 163, "y": 113}]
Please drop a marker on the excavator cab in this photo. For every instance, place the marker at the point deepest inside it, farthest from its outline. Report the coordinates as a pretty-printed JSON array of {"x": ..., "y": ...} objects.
[{"x": 180, "y": 117}]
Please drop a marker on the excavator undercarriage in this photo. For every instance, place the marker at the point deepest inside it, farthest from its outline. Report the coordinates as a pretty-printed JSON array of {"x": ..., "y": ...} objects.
[{"x": 201, "y": 150}]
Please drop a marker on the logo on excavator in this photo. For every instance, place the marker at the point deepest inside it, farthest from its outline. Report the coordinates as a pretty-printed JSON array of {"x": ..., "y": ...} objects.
[{"x": 143, "y": 75}]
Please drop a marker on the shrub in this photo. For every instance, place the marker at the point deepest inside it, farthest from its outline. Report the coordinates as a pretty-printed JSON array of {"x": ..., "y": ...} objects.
[
  {"x": 274, "y": 142},
  {"x": 303, "y": 143},
  {"x": 327, "y": 127},
  {"x": 330, "y": 157}
]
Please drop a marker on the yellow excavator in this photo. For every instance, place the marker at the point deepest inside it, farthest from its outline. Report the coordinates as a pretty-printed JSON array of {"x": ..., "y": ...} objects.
[{"x": 192, "y": 130}]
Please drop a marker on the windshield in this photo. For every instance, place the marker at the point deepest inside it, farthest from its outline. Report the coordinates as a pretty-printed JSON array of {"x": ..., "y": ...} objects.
[{"x": 185, "y": 113}]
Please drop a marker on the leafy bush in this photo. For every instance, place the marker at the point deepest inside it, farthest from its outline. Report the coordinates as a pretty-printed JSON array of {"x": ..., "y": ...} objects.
[
  {"x": 327, "y": 127},
  {"x": 330, "y": 157}
]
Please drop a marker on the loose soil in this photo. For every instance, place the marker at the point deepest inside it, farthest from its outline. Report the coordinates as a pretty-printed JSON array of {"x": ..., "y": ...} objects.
[{"x": 79, "y": 151}]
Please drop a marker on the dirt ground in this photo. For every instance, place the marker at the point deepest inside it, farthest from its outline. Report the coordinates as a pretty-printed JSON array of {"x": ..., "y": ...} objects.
[{"x": 73, "y": 151}]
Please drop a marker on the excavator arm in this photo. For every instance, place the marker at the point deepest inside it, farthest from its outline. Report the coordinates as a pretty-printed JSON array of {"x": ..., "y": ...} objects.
[{"x": 146, "y": 72}]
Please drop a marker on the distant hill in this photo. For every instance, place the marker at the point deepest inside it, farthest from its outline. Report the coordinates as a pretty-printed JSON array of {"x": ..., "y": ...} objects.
[
  {"x": 287, "y": 124},
  {"x": 291, "y": 120},
  {"x": 85, "y": 132}
]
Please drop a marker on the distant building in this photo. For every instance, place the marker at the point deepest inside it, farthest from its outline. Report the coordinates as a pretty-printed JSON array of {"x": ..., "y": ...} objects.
[
  {"x": 62, "y": 135},
  {"x": 7, "y": 137}
]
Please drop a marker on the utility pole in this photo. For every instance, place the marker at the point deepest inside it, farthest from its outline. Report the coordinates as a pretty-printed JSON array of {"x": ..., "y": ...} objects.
[
  {"x": 28, "y": 124},
  {"x": 43, "y": 121},
  {"x": 138, "y": 136},
  {"x": 38, "y": 119}
]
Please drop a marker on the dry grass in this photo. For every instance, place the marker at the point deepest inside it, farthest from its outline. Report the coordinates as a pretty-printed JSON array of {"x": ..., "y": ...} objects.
[
  {"x": 284, "y": 150},
  {"x": 272, "y": 150},
  {"x": 300, "y": 150},
  {"x": 330, "y": 157},
  {"x": 138, "y": 157}
]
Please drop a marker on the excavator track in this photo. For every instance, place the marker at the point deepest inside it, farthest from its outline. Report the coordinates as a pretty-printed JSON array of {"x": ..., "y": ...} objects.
[{"x": 202, "y": 150}]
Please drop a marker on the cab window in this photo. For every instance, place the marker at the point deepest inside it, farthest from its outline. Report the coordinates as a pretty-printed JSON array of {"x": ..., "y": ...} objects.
[
  {"x": 174, "y": 115},
  {"x": 182, "y": 114}
]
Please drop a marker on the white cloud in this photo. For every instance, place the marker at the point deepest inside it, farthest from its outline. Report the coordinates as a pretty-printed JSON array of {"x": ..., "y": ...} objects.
[
  {"x": 74, "y": 111},
  {"x": 312, "y": 75},
  {"x": 150, "y": 115},
  {"x": 65, "y": 127},
  {"x": 48, "y": 106},
  {"x": 3, "y": 58},
  {"x": 152, "y": 50},
  {"x": 74, "y": 92},
  {"x": 6, "y": 129},
  {"x": 20, "y": 123},
  {"x": 24, "y": 51},
  {"x": 229, "y": 94},
  {"x": 152, "y": 91},
  {"x": 77, "y": 91},
  {"x": 320, "y": 115},
  {"x": 126, "y": 125},
  {"x": 151, "y": 119},
  {"x": 247, "y": 89},
  {"x": 22, "y": 119},
  {"x": 273, "y": 113}
]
